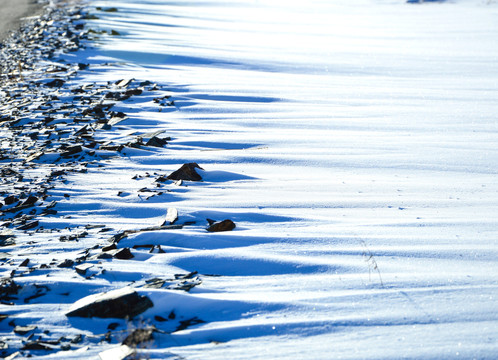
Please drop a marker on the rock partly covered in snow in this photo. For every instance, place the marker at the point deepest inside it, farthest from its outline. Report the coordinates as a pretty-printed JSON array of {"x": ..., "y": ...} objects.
[
  {"x": 117, "y": 353},
  {"x": 171, "y": 217}
]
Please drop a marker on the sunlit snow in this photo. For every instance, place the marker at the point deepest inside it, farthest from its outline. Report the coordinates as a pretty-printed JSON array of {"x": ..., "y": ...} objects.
[{"x": 354, "y": 144}]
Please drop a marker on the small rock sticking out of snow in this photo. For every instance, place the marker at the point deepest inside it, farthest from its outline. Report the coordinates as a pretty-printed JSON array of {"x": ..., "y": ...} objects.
[
  {"x": 186, "y": 172},
  {"x": 225, "y": 225}
]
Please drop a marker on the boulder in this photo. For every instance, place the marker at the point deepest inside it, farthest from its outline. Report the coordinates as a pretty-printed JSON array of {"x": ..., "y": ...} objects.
[{"x": 121, "y": 303}]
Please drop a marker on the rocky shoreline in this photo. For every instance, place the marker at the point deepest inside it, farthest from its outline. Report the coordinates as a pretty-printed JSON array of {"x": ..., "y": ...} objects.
[{"x": 49, "y": 129}]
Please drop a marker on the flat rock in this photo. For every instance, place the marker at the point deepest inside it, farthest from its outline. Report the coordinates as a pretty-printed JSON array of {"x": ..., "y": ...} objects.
[
  {"x": 23, "y": 330},
  {"x": 186, "y": 172},
  {"x": 82, "y": 268},
  {"x": 38, "y": 345},
  {"x": 28, "y": 225},
  {"x": 121, "y": 303}
]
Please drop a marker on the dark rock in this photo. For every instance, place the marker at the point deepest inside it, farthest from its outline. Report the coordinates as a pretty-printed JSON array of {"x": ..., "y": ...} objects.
[
  {"x": 118, "y": 114},
  {"x": 9, "y": 200},
  {"x": 38, "y": 345},
  {"x": 7, "y": 238},
  {"x": 77, "y": 339},
  {"x": 7, "y": 288},
  {"x": 31, "y": 200},
  {"x": 112, "y": 9},
  {"x": 225, "y": 225},
  {"x": 19, "y": 207},
  {"x": 132, "y": 92},
  {"x": 110, "y": 247},
  {"x": 139, "y": 336},
  {"x": 121, "y": 303},
  {"x": 155, "y": 283},
  {"x": 112, "y": 326},
  {"x": 123, "y": 254},
  {"x": 55, "y": 83},
  {"x": 117, "y": 148},
  {"x": 186, "y": 172},
  {"x": 56, "y": 173},
  {"x": 66, "y": 263},
  {"x": 186, "y": 276},
  {"x": 156, "y": 142},
  {"x": 118, "y": 237},
  {"x": 103, "y": 255},
  {"x": 71, "y": 151},
  {"x": 24, "y": 263},
  {"x": 162, "y": 178},
  {"x": 28, "y": 225},
  {"x": 184, "y": 324}
]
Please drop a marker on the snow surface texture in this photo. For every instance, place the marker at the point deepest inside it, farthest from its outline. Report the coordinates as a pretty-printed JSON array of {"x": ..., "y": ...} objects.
[{"x": 354, "y": 144}]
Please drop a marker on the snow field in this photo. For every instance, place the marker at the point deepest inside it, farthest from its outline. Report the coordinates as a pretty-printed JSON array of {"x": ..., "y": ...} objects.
[{"x": 353, "y": 144}]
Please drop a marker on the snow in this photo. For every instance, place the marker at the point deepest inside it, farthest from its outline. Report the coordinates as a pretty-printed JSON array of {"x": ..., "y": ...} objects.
[{"x": 354, "y": 144}]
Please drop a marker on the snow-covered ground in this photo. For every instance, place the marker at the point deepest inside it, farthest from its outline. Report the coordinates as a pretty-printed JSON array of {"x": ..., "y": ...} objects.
[{"x": 353, "y": 143}]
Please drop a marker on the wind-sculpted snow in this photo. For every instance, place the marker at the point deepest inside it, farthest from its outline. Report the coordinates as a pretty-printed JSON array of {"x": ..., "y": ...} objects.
[{"x": 354, "y": 145}]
